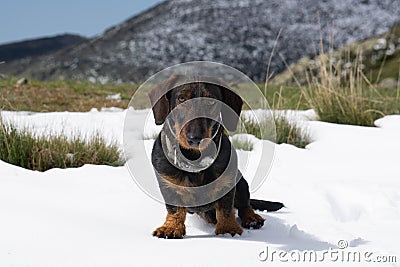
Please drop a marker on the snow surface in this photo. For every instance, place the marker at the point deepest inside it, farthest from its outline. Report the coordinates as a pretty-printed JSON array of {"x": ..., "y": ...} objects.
[{"x": 343, "y": 186}]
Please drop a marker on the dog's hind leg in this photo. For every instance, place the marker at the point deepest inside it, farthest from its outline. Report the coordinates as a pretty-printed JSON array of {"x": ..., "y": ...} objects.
[{"x": 242, "y": 202}]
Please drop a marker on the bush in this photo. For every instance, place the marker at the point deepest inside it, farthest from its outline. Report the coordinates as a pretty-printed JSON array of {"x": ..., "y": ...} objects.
[
  {"x": 286, "y": 131},
  {"x": 41, "y": 153},
  {"x": 346, "y": 96}
]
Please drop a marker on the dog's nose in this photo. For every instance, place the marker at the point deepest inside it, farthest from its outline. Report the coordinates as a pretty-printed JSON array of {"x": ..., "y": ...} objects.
[{"x": 193, "y": 140}]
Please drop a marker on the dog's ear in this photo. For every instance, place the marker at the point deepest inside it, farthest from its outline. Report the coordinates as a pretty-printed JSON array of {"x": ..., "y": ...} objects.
[
  {"x": 235, "y": 102},
  {"x": 160, "y": 105},
  {"x": 159, "y": 99}
]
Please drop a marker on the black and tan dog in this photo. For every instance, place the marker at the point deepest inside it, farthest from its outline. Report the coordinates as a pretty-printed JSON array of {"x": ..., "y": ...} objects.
[{"x": 189, "y": 136}]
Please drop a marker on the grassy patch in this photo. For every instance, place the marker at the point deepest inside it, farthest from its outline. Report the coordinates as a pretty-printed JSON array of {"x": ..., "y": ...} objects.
[
  {"x": 152, "y": 136},
  {"x": 81, "y": 96},
  {"x": 354, "y": 85},
  {"x": 287, "y": 97},
  {"x": 47, "y": 96},
  {"x": 290, "y": 132},
  {"x": 244, "y": 144},
  {"x": 287, "y": 132},
  {"x": 41, "y": 153},
  {"x": 290, "y": 97},
  {"x": 346, "y": 96}
]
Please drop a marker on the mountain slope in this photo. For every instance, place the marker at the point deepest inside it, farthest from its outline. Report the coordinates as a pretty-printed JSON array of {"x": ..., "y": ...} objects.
[
  {"x": 380, "y": 61},
  {"x": 240, "y": 33},
  {"x": 37, "y": 47}
]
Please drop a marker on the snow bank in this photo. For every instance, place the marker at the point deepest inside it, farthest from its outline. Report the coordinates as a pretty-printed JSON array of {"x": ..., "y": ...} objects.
[{"x": 343, "y": 186}]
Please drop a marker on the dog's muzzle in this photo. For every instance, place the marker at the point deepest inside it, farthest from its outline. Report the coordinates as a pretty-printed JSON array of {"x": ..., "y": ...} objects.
[{"x": 174, "y": 155}]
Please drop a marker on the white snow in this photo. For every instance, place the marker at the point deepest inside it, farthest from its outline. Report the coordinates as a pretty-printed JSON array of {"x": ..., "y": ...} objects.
[
  {"x": 343, "y": 186},
  {"x": 116, "y": 97}
]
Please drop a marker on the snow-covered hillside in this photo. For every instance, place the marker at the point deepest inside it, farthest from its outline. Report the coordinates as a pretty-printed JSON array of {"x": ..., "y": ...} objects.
[
  {"x": 240, "y": 33},
  {"x": 343, "y": 186}
]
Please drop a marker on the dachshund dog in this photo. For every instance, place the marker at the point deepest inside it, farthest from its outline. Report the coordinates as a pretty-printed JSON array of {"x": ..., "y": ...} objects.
[{"x": 193, "y": 138}]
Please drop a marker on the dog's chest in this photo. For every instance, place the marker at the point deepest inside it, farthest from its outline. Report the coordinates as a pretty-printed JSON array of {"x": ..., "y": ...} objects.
[{"x": 192, "y": 179}]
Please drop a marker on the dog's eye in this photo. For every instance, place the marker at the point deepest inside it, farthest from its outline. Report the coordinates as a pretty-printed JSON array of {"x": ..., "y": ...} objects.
[
  {"x": 181, "y": 99},
  {"x": 211, "y": 102}
]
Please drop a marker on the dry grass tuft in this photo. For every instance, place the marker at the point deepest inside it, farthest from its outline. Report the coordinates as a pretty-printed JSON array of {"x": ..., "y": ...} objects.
[{"x": 41, "y": 153}]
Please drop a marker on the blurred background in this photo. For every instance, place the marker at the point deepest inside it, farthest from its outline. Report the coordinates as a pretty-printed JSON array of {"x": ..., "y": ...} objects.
[{"x": 127, "y": 41}]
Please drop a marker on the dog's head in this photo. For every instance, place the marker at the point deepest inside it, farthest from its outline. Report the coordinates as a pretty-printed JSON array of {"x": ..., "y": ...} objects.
[{"x": 206, "y": 102}]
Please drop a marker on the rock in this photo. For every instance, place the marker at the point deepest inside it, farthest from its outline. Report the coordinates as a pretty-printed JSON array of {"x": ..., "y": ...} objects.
[
  {"x": 116, "y": 97},
  {"x": 388, "y": 83},
  {"x": 21, "y": 81},
  {"x": 380, "y": 44}
]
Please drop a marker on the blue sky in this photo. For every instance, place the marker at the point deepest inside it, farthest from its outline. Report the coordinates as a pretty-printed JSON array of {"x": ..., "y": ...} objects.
[{"x": 26, "y": 19}]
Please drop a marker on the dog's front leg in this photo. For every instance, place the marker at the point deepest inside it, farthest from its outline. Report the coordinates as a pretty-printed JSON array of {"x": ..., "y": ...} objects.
[
  {"x": 226, "y": 221},
  {"x": 174, "y": 225}
]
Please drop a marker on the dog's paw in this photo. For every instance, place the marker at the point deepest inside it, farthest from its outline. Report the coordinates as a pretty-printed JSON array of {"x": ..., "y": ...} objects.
[
  {"x": 231, "y": 228},
  {"x": 252, "y": 220},
  {"x": 170, "y": 232}
]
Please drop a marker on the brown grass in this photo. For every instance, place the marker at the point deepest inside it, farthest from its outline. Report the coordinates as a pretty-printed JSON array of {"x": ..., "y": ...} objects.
[
  {"x": 346, "y": 96},
  {"x": 61, "y": 95}
]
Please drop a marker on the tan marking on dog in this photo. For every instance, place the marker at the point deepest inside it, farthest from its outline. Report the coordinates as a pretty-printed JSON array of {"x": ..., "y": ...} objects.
[
  {"x": 181, "y": 186},
  {"x": 182, "y": 139},
  {"x": 227, "y": 225},
  {"x": 174, "y": 225},
  {"x": 249, "y": 217}
]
